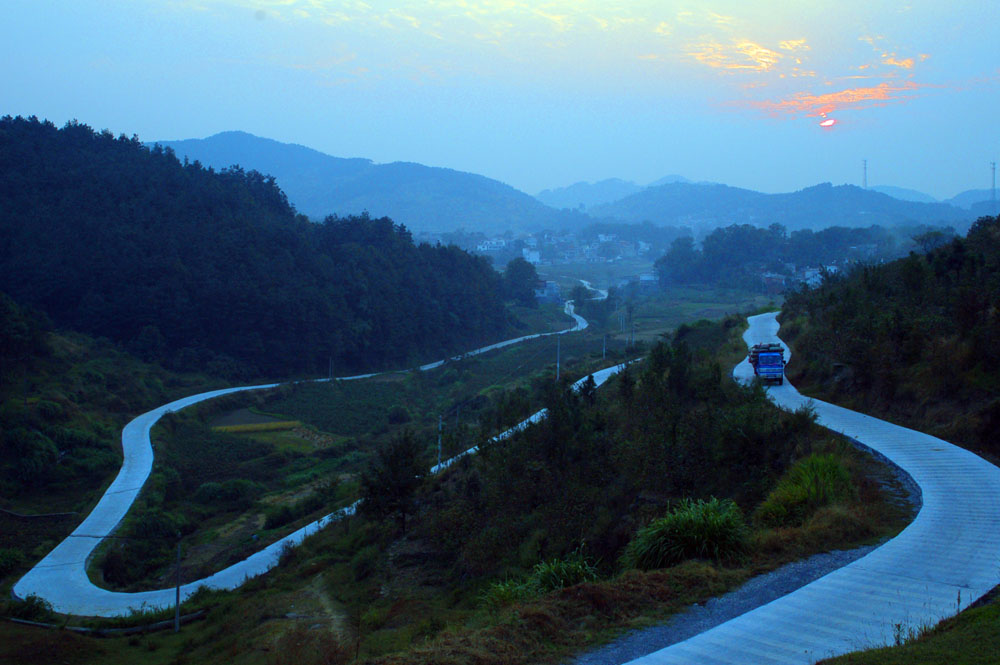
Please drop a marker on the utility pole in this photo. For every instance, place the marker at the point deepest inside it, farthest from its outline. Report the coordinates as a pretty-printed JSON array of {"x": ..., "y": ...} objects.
[
  {"x": 864, "y": 177},
  {"x": 604, "y": 350},
  {"x": 177, "y": 596},
  {"x": 439, "y": 439},
  {"x": 558, "y": 350}
]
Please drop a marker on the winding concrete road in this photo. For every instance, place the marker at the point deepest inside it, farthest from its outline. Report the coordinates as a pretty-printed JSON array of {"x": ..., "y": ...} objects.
[
  {"x": 947, "y": 558},
  {"x": 61, "y": 577}
]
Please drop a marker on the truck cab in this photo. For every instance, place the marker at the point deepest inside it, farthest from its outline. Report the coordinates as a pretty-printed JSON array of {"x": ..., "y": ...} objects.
[{"x": 768, "y": 361}]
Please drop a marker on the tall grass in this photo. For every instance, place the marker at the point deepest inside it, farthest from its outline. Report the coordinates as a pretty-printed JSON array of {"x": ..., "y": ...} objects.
[
  {"x": 545, "y": 576},
  {"x": 813, "y": 482},
  {"x": 712, "y": 529}
]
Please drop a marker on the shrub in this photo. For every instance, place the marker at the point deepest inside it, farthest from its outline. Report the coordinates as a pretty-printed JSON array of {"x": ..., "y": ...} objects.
[
  {"x": 32, "y": 608},
  {"x": 501, "y": 594},
  {"x": 284, "y": 514},
  {"x": 50, "y": 411},
  {"x": 398, "y": 415},
  {"x": 10, "y": 560},
  {"x": 364, "y": 562},
  {"x": 811, "y": 483},
  {"x": 712, "y": 529},
  {"x": 233, "y": 494},
  {"x": 561, "y": 573}
]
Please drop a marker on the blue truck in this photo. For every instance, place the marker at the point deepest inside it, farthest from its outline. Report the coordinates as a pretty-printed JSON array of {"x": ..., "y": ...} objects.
[{"x": 768, "y": 361}]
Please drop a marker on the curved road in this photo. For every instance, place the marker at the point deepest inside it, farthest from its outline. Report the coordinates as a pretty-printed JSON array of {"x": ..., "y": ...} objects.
[
  {"x": 947, "y": 558},
  {"x": 61, "y": 577}
]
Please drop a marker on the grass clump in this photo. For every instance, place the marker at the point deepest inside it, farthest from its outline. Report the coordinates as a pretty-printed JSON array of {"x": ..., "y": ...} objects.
[
  {"x": 712, "y": 529},
  {"x": 561, "y": 573},
  {"x": 546, "y": 576},
  {"x": 811, "y": 483}
]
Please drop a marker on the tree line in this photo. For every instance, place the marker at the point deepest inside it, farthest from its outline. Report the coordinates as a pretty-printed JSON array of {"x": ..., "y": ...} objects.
[
  {"x": 736, "y": 255},
  {"x": 215, "y": 270}
]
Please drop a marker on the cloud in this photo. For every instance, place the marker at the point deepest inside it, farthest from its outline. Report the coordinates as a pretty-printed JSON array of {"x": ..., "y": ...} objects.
[
  {"x": 793, "y": 45},
  {"x": 893, "y": 61},
  {"x": 809, "y": 104},
  {"x": 742, "y": 55}
]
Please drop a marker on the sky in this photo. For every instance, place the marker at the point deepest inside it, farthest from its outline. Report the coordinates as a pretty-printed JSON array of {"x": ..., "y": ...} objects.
[{"x": 539, "y": 94}]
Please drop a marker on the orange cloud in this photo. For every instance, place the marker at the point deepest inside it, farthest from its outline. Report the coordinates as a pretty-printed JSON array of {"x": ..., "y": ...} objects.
[
  {"x": 891, "y": 60},
  {"x": 742, "y": 55},
  {"x": 816, "y": 105},
  {"x": 794, "y": 45}
]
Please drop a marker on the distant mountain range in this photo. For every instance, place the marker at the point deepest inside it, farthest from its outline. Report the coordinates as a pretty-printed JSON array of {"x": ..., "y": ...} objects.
[
  {"x": 583, "y": 195},
  {"x": 971, "y": 199},
  {"x": 434, "y": 200},
  {"x": 706, "y": 206},
  {"x": 423, "y": 198},
  {"x": 979, "y": 201},
  {"x": 904, "y": 194}
]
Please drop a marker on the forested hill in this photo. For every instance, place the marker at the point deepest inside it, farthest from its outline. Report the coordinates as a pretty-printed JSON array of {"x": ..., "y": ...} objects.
[
  {"x": 215, "y": 270},
  {"x": 916, "y": 340}
]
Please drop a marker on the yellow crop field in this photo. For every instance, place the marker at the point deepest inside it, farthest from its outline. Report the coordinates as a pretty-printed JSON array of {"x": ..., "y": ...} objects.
[{"x": 275, "y": 426}]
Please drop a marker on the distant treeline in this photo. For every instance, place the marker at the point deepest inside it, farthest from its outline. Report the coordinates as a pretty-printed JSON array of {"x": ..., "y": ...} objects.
[
  {"x": 736, "y": 255},
  {"x": 215, "y": 270},
  {"x": 917, "y": 339}
]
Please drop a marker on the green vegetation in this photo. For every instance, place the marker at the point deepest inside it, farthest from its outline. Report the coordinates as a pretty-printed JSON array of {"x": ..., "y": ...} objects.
[
  {"x": 970, "y": 638},
  {"x": 63, "y": 400},
  {"x": 253, "y": 428},
  {"x": 812, "y": 483},
  {"x": 712, "y": 529},
  {"x": 736, "y": 255},
  {"x": 916, "y": 341},
  {"x": 215, "y": 271},
  {"x": 519, "y": 282},
  {"x": 550, "y": 511}
]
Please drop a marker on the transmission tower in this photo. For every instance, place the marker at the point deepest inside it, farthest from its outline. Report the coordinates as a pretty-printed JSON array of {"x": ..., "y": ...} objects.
[{"x": 864, "y": 176}]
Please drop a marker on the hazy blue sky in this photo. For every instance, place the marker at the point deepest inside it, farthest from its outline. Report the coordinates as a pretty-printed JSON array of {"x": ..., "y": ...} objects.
[{"x": 539, "y": 94}]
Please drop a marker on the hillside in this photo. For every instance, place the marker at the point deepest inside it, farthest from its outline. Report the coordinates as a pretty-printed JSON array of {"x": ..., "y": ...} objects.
[
  {"x": 586, "y": 195},
  {"x": 707, "y": 206},
  {"x": 970, "y": 198},
  {"x": 424, "y": 198},
  {"x": 915, "y": 340},
  {"x": 904, "y": 194},
  {"x": 214, "y": 270}
]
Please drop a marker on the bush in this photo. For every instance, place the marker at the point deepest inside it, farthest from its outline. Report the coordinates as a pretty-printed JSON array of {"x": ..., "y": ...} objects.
[
  {"x": 10, "y": 560},
  {"x": 545, "y": 576},
  {"x": 561, "y": 573},
  {"x": 811, "y": 483},
  {"x": 364, "y": 562},
  {"x": 398, "y": 415},
  {"x": 32, "y": 608},
  {"x": 712, "y": 529},
  {"x": 234, "y": 494},
  {"x": 501, "y": 594},
  {"x": 284, "y": 514}
]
